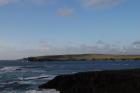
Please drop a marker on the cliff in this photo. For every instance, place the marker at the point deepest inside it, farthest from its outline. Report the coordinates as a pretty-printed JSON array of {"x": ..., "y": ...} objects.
[{"x": 83, "y": 57}]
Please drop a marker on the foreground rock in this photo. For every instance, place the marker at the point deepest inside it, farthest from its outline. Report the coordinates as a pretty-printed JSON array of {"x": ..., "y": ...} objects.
[{"x": 123, "y": 81}]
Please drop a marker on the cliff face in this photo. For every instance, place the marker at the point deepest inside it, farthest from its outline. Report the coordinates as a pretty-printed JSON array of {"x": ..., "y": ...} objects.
[
  {"x": 83, "y": 57},
  {"x": 124, "y": 81}
]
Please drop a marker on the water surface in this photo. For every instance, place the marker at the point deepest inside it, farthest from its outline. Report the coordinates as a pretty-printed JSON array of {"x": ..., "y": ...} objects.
[{"x": 25, "y": 77}]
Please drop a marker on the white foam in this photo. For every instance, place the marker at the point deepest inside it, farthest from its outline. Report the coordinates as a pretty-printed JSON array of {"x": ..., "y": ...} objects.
[
  {"x": 49, "y": 77},
  {"x": 126, "y": 64},
  {"x": 98, "y": 70},
  {"x": 43, "y": 91},
  {"x": 18, "y": 82},
  {"x": 32, "y": 91},
  {"x": 25, "y": 82},
  {"x": 10, "y": 69}
]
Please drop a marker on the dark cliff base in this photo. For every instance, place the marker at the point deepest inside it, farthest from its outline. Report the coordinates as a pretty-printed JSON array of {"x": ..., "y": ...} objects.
[{"x": 123, "y": 81}]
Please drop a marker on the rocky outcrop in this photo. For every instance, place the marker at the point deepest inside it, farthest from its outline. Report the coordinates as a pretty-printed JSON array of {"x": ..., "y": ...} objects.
[{"x": 123, "y": 81}]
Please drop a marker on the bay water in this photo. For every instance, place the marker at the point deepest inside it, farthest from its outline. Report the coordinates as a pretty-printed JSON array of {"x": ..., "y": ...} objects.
[{"x": 25, "y": 77}]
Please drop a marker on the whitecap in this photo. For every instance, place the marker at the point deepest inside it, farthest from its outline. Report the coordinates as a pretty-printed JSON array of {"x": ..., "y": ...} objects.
[
  {"x": 49, "y": 77},
  {"x": 98, "y": 70},
  {"x": 32, "y": 91},
  {"x": 43, "y": 91},
  {"x": 126, "y": 64},
  {"x": 25, "y": 82},
  {"x": 10, "y": 69}
]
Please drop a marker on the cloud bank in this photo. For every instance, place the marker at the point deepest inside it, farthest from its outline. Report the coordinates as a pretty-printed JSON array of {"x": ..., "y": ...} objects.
[
  {"x": 44, "y": 48},
  {"x": 87, "y": 3},
  {"x": 6, "y": 2},
  {"x": 65, "y": 12},
  {"x": 60, "y": 11},
  {"x": 101, "y": 3},
  {"x": 36, "y": 2}
]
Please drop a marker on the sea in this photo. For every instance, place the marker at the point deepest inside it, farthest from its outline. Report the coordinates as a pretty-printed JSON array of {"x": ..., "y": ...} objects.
[{"x": 25, "y": 77}]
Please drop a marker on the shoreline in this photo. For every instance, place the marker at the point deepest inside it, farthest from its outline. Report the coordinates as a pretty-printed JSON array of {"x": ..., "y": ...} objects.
[
  {"x": 111, "y": 81},
  {"x": 84, "y": 57}
]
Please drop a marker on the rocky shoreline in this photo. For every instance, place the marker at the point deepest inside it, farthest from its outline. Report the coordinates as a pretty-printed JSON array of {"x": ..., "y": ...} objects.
[{"x": 121, "y": 81}]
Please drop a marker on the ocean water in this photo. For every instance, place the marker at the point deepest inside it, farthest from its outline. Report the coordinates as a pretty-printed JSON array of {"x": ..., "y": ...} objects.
[{"x": 25, "y": 77}]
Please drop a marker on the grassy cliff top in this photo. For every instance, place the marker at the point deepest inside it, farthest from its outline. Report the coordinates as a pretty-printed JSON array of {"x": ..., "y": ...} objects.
[{"x": 84, "y": 57}]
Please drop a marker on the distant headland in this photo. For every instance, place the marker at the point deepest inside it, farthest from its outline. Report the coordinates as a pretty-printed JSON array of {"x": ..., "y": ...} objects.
[{"x": 83, "y": 57}]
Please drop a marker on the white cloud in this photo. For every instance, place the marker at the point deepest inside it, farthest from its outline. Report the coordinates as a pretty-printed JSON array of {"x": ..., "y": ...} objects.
[
  {"x": 100, "y": 3},
  {"x": 6, "y": 2},
  {"x": 103, "y": 48},
  {"x": 99, "y": 47},
  {"x": 41, "y": 2},
  {"x": 136, "y": 43},
  {"x": 12, "y": 51},
  {"x": 65, "y": 12},
  {"x": 36, "y": 2}
]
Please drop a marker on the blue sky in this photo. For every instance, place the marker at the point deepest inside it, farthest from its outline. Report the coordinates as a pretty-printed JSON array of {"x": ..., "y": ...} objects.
[{"x": 47, "y": 27}]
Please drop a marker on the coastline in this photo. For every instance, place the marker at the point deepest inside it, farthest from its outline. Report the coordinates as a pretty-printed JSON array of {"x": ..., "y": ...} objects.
[
  {"x": 84, "y": 57},
  {"x": 115, "y": 81}
]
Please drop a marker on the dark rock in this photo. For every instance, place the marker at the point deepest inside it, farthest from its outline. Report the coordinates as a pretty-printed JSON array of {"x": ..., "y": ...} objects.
[{"x": 123, "y": 81}]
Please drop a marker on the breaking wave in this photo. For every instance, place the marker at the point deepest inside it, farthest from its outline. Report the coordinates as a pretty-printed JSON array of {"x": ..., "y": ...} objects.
[
  {"x": 33, "y": 91},
  {"x": 10, "y": 69},
  {"x": 43, "y": 91},
  {"x": 40, "y": 77}
]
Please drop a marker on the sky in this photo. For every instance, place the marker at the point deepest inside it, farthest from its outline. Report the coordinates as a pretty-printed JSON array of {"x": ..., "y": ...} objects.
[{"x": 54, "y": 27}]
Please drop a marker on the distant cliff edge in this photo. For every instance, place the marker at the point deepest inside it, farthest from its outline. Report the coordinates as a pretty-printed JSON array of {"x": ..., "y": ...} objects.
[{"x": 83, "y": 57}]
